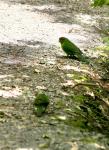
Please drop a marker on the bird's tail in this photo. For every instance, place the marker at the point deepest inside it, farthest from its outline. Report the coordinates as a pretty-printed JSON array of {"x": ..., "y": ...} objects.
[{"x": 84, "y": 59}]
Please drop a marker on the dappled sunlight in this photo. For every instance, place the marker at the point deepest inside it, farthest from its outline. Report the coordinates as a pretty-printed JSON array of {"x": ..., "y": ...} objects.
[
  {"x": 74, "y": 145},
  {"x": 63, "y": 118},
  {"x": 51, "y": 61},
  {"x": 68, "y": 83},
  {"x": 5, "y": 76},
  {"x": 21, "y": 23},
  {"x": 87, "y": 19},
  {"x": 18, "y": 23},
  {"x": 64, "y": 93},
  {"x": 78, "y": 69},
  {"x": 7, "y": 92},
  {"x": 77, "y": 78},
  {"x": 41, "y": 87}
]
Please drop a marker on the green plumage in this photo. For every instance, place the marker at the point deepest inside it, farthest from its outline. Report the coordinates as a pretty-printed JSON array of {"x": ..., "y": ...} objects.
[
  {"x": 69, "y": 48},
  {"x": 72, "y": 50},
  {"x": 40, "y": 104}
]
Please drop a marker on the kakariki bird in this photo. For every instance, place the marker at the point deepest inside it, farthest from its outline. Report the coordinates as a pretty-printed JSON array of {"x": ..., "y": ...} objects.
[
  {"x": 72, "y": 50},
  {"x": 40, "y": 104}
]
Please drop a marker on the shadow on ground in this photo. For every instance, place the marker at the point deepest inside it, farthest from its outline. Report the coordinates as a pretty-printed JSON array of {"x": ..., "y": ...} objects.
[{"x": 33, "y": 65}]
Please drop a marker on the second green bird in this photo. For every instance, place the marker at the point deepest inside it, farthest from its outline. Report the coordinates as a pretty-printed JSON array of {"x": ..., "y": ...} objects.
[{"x": 41, "y": 103}]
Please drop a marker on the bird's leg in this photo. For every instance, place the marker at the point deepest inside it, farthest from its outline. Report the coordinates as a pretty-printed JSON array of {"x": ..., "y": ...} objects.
[{"x": 72, "y": 57}]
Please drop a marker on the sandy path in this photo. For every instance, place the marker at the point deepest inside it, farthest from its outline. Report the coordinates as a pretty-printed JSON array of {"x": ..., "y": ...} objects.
[{"x": 29, "y": 61}]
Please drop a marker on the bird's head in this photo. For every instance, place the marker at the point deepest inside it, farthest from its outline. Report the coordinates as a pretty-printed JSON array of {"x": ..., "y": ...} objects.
[{"x": 62, "y": 39}]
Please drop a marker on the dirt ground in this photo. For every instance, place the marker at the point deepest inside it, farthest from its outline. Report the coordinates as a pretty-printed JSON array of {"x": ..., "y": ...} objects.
[{"x": 31, "y": 60}]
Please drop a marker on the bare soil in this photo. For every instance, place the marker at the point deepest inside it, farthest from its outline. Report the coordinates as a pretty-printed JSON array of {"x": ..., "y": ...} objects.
[{"x": 31, "y": 60}]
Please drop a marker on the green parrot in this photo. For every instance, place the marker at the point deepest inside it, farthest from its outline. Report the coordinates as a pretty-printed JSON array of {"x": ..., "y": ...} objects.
[
  {"x": 40, "y": 104},
  {"x": 72, "y": 50}
]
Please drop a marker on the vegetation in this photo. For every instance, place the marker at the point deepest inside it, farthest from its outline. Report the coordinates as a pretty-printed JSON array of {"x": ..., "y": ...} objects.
[
  {"x": 49, "y": 101},
  {"x": 93, "y": 111},
  {"x": 100, "y": 2},
  {"x": 40, "y": 104}
]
